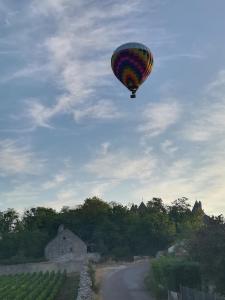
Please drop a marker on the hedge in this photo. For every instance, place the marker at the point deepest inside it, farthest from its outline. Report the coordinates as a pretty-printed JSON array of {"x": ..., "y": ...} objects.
[{"x": 169, "y": 273}]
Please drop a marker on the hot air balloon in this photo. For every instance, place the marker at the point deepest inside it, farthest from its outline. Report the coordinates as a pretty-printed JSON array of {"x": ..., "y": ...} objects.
[{"x": 132, "y": 63}]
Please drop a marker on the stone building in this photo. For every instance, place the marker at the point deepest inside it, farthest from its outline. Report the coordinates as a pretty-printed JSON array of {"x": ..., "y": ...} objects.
[{"x": 66, "y": 246}]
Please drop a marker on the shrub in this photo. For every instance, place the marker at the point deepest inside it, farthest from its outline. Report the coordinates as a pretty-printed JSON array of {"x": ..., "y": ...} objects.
[{"x": 169, "y": 273}]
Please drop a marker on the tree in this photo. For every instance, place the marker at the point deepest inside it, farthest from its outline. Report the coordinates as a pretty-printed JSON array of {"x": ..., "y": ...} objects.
[
  {"x": 142, "y": 208},
  {"x": 179, "y": 211},
  {"x": 9, "y": 220},
  {"x": 208, "y": 247},
  {"x": 156, "y": 204},
  {"x": 41, "y": 218}
]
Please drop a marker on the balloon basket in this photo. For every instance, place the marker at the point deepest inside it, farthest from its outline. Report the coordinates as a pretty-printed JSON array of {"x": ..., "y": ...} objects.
[{"x": 133, "y": 95}]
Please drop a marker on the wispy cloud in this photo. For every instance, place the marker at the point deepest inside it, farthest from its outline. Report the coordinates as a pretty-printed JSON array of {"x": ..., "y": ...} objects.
[
  {"x": 49, "y": 6},
  {"x": 76, "y": 54},
  {"x": 57, "y": 180},
  {"x": 158, "y": 117},
  {"x": 208, "y": 122},
  {"x": 18, "y": 159},
  {"x": 26, "y": 72},
  {"x": 38, "y": 114},
  {"x": 72, "y": 53},
  {"x": 56, "y": 56},
  {"x": 194, "y": 177},
  {"x": 105, "y": 148},
  {"x": 197, "y": 170},
  {"x": 168, "y": 147},
  {"x": 177, "y": 56},
  {"x": 20, "y": 197},
  {"x": 103, "y": 109},
  {"x": 121, "y": 166},
  {"x": 72, "y": 42}
]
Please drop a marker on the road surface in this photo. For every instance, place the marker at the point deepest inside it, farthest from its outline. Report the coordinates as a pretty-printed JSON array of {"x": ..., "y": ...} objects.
[{"x": 126, "y": 282}]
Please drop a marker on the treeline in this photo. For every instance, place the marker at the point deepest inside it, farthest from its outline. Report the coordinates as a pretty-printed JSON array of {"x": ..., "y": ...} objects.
[{"x": 111, "y": 229}]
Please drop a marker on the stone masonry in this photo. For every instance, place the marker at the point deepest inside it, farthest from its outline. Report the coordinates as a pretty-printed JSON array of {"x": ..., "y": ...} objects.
[
  {"x": 66, "y": 246},
  {"x": 85, "y": 286}
]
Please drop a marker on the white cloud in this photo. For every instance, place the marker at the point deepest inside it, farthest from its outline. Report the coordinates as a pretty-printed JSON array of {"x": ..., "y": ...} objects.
[
  {"x": 18, "y": 159},
  {"x": 121, "y": 166},
  {"x": 100, "y": 189},
  {"x": 168, "y": 147},
  {"x": 208, "y": 122},
  {"x": 20, "y": 197},
  {"x": 79, "y": 51},
  {"x": 103, "y": 109},
  {"x": 70, "y": 45},
  {"x": 79, "y": 54},
  {"x": 185, "y": 178},
  {"x": 177, "y": 56},
  {"x": 26, "y": 72},
  {"x": 66, "y": 195},
  {"x": 158, "y": 117},
  {"x": 217, "y": 86},
  {"x": 49, "y": 7},
  {"x": 55, "y": 182},
  {"x": 39, "y": 114},
  {"x": 105, "y": 148}
]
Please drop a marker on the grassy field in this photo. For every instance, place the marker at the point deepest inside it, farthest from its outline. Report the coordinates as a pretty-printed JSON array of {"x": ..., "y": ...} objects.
[{"x": 38, "y": 286}]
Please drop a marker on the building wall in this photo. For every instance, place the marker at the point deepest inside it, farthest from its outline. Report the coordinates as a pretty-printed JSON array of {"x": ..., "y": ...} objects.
[
  {"x": 69, "y": 267},
  {"x": 66, "y": 246}
]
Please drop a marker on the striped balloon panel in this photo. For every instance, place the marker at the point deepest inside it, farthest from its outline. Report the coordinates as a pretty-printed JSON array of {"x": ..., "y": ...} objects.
[{"x": 132, "y": 66}]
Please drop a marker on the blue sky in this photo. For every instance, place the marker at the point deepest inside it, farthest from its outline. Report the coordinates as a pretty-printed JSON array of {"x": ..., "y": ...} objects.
[{"x": 68, "y": 129}]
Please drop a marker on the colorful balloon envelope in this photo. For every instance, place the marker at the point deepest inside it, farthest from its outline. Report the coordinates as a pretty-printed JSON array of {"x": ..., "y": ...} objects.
[{"x": 132, "y": 63}]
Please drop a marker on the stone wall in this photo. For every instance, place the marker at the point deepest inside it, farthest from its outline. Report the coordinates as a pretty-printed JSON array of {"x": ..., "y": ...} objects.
[
  {"x": 69, "y": 267},
  {"x": 94, "y": 257},
  {"x": 85, "y": 286}
]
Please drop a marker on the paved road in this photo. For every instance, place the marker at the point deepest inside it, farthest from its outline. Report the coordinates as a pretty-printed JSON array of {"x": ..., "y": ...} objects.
[{"x": 126, "y": 283}]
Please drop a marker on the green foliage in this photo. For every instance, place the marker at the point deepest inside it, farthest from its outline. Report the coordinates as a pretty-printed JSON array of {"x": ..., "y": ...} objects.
[
  {"x": 23, "y": 246},
  {"x": 207, "y": 247},
  {"x": 91, "y": 270},
  {"x": 9, "y": 221},
  {"x": 114, "y": 230},
  {"x": 185, "y": 221},
  {"x": 169, "y": 273}
]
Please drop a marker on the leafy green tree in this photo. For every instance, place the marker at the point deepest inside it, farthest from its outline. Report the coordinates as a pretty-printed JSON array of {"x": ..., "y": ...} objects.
[
  {"x": 142, "y": 209},
  {"x": 9, "y": 220},
  {"x": 41, "y": 218},
  {"x": 179, "y": 213},
  {"x": 156, "y": 205},
  {"x": 208, "y": 248}
]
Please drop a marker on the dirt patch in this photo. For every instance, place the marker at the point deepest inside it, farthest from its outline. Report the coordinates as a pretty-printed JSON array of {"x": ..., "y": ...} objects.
[{"x": 70, "y": 288}]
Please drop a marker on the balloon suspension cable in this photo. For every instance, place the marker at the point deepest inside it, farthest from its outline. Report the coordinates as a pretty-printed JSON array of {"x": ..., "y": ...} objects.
[{"x": 133, "y": 95}]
